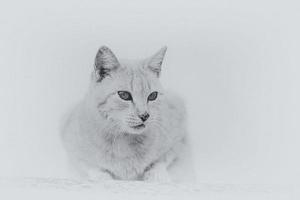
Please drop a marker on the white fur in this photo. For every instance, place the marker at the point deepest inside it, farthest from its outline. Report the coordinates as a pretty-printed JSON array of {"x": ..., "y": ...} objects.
[{"x": 101, "y": 145}]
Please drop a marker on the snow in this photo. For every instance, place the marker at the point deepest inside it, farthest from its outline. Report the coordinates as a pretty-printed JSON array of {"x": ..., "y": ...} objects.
[{"x": 50, "y": 188}]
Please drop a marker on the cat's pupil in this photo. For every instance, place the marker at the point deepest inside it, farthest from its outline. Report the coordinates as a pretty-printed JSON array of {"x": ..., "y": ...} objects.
[
  {"x": 125, "y": 95},
  {"x": 152, "y": 96}
]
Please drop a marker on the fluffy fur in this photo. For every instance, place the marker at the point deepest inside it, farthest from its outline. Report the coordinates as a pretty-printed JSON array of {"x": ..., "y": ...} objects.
[{"x": 104, "y": 136}]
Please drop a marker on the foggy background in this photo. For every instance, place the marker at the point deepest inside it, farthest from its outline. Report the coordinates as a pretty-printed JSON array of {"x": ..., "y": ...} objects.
[{"x": 236, "y": 63}]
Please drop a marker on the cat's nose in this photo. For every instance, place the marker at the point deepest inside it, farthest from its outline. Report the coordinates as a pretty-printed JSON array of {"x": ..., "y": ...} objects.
[{"x": 144, "y": 116}]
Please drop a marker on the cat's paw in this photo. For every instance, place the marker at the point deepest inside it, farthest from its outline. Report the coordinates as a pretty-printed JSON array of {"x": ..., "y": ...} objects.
[
  {"x": 157, "y": 174},
  {"x": 98, "y": 176}
]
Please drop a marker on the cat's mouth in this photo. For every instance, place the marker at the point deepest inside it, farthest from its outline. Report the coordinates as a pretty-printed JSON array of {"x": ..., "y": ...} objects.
[{"x": 138, "y": 127}]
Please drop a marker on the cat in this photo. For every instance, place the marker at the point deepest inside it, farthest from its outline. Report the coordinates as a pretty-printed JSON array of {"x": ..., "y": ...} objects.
[{"x": 127, "y": 127}]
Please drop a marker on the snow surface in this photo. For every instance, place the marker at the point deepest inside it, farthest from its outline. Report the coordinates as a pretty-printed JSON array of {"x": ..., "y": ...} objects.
[{"x": 51, "y": 188}]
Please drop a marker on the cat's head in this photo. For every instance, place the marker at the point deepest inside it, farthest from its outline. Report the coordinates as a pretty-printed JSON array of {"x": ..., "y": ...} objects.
[{"x": 128, "y": 93}]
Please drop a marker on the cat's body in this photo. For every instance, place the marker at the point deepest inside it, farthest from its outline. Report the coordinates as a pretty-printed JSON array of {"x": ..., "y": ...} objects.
[{"x": 117, "y": 134}]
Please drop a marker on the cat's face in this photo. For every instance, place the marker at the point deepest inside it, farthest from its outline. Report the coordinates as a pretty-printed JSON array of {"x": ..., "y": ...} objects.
[{"x": 128, "y": 93}]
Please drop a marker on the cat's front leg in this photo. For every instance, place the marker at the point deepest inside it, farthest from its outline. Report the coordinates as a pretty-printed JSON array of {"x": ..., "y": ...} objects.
[
  {"x": 157, "y": 173},
  {"x": 94, "y": 175},
  {"x": 88, "y": 173}
]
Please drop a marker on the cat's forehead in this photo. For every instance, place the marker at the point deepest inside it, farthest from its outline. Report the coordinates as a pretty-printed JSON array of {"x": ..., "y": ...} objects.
[{"x": 136, "y": 78}]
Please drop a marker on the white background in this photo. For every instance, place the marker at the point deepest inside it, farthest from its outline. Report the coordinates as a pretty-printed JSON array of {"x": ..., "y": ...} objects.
[{"x": 235, "y": 62}]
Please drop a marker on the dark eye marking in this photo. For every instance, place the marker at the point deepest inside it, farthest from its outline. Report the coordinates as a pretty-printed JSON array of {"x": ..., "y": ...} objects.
[
  {"x": 152, "y": 96},
  {"x": 125, "y": 95}
]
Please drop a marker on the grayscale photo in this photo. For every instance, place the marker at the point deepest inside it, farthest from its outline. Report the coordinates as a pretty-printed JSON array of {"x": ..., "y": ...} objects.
[{"x": 150, "y": 100}]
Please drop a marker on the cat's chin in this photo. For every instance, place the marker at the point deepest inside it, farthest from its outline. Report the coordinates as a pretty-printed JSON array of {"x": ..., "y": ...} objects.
[{"x": 136, "y": 130}]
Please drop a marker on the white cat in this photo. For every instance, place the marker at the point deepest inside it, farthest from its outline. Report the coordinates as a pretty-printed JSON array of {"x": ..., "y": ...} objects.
[{"x": 127, "y": 127}]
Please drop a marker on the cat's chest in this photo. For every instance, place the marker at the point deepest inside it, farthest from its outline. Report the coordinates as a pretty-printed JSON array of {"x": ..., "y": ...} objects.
[{"x": 128, "y": 157}]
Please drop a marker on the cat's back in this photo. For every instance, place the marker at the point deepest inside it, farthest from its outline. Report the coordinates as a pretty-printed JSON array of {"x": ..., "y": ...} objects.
[
  {"x": 174, "y": 108},
  {"x": 70, "y": 124},
  {"x": 174, "y": 117}
]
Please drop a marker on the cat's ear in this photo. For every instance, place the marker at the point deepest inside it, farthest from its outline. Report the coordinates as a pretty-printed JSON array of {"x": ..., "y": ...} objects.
[
  {"x": 105, "y": 63},
  {"x": 154, "y": 63}
]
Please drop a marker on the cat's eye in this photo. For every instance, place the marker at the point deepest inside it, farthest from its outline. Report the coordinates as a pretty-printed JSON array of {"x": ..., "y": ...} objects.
[
  {"x": 125, "y": 95},
  {"x": 152, "y": 96}
]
